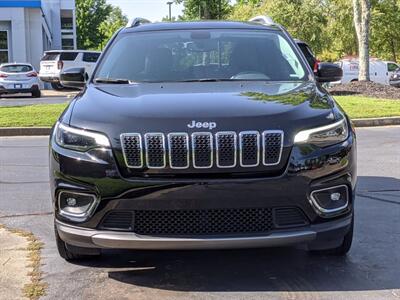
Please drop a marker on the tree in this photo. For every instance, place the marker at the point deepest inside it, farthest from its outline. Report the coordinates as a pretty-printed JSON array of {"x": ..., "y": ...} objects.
[
  {"x": 115, "y": 20},
  {"x": 385, "y": 29},
  {"x": 89, "y": 16},
  {"x": 362, "y": 18},
  {"x": 204, "y": 9}
]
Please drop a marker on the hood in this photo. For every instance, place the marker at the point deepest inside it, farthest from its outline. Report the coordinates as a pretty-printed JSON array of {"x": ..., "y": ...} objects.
[{"x": 170, "y": 107}]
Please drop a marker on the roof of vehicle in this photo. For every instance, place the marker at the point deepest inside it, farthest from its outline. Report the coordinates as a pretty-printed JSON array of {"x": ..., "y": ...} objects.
[
  {"x": 16, "y": 64},
  {"x": 61, "y": 51},
  {"x": 199, "y": 25}
]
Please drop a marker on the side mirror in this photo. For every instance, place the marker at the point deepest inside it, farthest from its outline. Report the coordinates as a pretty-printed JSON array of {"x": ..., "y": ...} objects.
[
  {"x": 73, "y": 78},
  {"x": 328, "y": 72}
]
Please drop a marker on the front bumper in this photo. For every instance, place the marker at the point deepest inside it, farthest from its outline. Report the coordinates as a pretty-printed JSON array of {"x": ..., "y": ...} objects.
[
  {"x": 395, "y": 83},
  {"x": 307, "y": 170},
  {"x": 311, "y": 235}
]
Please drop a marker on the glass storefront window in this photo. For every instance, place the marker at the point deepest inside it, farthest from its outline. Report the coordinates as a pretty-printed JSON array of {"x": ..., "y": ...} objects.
[{"x": 3, "y": 47}]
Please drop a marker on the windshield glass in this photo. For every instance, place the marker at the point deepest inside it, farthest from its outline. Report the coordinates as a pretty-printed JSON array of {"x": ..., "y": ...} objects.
[
  {"x": 201, "y": 55},
  {"x": 16, "y": 69}
]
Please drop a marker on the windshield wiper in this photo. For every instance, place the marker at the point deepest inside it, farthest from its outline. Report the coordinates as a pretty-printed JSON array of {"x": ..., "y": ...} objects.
[
  {"x": 207, "y": 80},
  {"x": 112, "y": 80}
]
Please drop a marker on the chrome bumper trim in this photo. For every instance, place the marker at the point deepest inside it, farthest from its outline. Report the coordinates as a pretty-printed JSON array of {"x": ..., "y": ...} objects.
[{"x": 127, "y": 240}]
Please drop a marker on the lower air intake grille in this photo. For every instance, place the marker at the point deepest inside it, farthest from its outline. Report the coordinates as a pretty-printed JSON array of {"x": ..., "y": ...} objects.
[
  {"x": 204, "y": 222},
  {"x": 120, "y": 220}
]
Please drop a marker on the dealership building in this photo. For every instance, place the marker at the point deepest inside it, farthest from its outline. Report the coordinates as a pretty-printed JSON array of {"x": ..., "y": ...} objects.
[{"x": 30, "y": 27}]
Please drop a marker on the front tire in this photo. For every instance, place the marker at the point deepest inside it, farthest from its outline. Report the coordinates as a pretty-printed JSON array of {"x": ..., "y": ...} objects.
[
  {"x": 36, "y": 94},
  {"x": 57, "y": 86},
  {"x": 70, "y": 253}
]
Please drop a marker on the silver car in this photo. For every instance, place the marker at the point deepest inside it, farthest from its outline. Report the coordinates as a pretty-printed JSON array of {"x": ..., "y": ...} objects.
[{"x": 19, "y": 78}]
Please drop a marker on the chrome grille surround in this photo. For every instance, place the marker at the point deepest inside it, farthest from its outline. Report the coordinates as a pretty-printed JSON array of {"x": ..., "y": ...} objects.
[
  {"x": 248, "y": 139},
  {"x": 220, "y": 138},
  {"x": 274, "y": 144},
  {"x": 133, "y": 154},
  {"x": 197, "y": 150},
  {"x": 181, "y": 147},
  {"x": 155, "y": 150}
]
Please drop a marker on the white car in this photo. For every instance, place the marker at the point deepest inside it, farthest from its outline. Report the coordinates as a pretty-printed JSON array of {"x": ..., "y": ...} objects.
[
  {"x": 379, "y": 71},
  {"x": 54, "y": 61},
  {"x": 19, "y": 78}
]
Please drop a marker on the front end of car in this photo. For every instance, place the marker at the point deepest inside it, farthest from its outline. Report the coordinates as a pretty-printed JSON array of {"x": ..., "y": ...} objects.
[{"x": 160, "y": 184}]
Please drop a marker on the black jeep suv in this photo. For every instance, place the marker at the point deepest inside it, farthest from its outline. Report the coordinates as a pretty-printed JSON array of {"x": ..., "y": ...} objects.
[{"x": 202, "y": 135}]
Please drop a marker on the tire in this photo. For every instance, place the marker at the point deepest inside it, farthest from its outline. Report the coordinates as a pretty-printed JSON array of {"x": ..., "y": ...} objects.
[
  {"x": 71, "y": 253},
  {"x": 36, "y": 94},
  {"x": 343, "y": 248},
  {"x": 57, "y": 86}
]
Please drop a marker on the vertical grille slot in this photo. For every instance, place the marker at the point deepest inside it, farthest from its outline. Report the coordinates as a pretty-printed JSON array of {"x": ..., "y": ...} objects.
[
  {"x": 132, "y": 149},
  {"x": 249, "y": 148},
  {"x": 226, "y": 145},
  {"x": 155, "y": 150},
  {"x": 272, "y": 147},
  {"x": 178, "y": 144},
  {"x": 202, "y": 147}
]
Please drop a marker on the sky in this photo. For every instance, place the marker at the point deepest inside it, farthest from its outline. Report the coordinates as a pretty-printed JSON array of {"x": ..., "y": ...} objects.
[{"x": 154, "y": 10}]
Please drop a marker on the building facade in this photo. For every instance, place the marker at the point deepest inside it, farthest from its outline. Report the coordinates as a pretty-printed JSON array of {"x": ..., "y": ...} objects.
[{"x": 30, "y": 27}]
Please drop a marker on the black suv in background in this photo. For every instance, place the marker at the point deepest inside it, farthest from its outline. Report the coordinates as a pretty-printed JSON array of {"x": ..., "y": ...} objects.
[{"x": 202, "y": 135}]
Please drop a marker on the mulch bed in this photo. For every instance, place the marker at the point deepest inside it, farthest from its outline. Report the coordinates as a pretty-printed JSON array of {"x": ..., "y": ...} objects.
[{"x": 368, "y": 89}]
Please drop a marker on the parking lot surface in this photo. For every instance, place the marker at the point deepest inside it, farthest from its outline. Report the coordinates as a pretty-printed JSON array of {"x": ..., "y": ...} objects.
[
  {"x": 48, "y": 97},
  {"x": 370, "y": 271}
]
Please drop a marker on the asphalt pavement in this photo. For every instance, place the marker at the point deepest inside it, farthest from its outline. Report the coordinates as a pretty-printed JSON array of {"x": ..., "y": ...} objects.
[
  {"x": 370, "y": 271},
  {"x": 26, "y": 99}
]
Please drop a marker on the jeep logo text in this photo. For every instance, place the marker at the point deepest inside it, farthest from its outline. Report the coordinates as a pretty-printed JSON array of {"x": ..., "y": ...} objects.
[{"x": 207, "y": 125}]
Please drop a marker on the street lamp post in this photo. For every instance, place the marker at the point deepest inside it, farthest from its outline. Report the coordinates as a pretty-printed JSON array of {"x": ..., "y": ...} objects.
[{"x": 169, "y": 3}]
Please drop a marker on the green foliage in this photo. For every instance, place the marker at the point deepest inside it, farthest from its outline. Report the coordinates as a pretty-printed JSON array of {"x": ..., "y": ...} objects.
[
  {"x": 115, "y": 20},
  {"x": 204, "y": 9},
  {"x": 89, "y": 15},
  {"x": 96, "y": 22},
  {"x": 327, "y": 25},
  {"x": 385, "y": 29}
]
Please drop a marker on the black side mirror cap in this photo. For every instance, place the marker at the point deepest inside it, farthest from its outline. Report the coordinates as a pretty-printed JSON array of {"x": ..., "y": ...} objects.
[
  {"x": 73, "y": 78},
  {"x": 328, "y": 72}
]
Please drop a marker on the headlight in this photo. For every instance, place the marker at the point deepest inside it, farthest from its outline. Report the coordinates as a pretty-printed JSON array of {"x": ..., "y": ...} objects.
[
  {"x": 325, "y": 135},
  {"x": 79, "y": 139}
]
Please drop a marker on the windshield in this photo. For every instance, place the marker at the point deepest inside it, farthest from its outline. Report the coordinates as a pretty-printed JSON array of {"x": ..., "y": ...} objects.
[
  {"x": 16, "y": 69},
  {"x": 201, "y": 55}
]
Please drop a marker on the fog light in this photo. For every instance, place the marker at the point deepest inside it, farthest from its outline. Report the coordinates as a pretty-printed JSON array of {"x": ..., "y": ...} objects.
[
  {"x": 335, "y": 196},
  {"x": 330, "y": 200},
  {"x": 71, "y": 201},
  {"x": 76, "y": 206}
]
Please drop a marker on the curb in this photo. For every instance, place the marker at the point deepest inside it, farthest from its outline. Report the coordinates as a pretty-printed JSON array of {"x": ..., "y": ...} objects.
[
  {"x": 24, "y": 131},
  {"x": 32, "y": 131},
  {"x": 372, "y": 122}
]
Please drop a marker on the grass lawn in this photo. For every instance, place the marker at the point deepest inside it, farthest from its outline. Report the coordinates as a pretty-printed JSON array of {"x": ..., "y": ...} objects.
[
  {"x": 47, "y": 114},
  {"x": 30, "y": 116},
  {"x": 363, "y": 107}
]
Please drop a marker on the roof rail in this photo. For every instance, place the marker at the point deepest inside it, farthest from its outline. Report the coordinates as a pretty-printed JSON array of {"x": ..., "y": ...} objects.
[
  {"x": 264, "y": 20},
  {"x": 136, "y": 22}
]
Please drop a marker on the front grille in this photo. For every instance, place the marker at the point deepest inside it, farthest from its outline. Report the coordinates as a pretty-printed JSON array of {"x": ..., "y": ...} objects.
[
  {"x": 202, "y": 145},
  {"x": 226, "y": 149},
  {"x": 223, "y": 221},
  {"x": 202, "y": 150},
  {"x": 155, "y": 150},
  {"x": 272, "y": 147}
]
